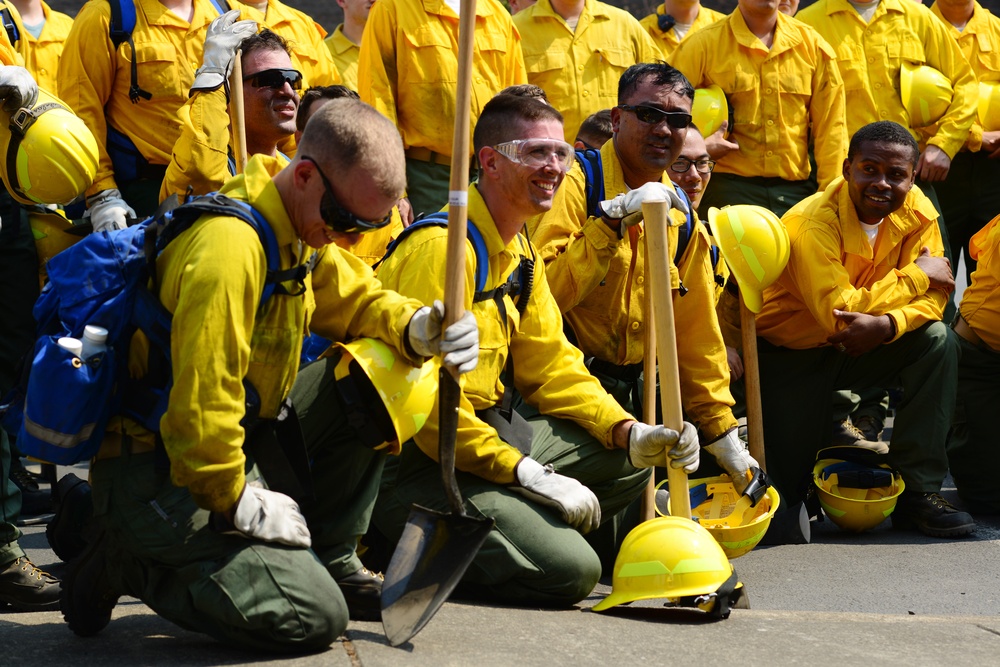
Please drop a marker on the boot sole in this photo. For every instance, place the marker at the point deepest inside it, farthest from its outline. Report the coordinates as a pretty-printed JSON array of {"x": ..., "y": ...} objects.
[
  {"x": 962, "y": 530},
  {"x": 28, "y": 607}
]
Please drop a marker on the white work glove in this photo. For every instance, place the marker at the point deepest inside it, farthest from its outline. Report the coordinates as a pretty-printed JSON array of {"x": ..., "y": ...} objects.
[
  {"x": 17, "y": 88},
  {"x": 225, "y": 34},
  {"x": 730, "y": 453},
  {"x": 650, "y": 446},
  {"x": 459, "y": 345},
  {"x": 577, "y": 504},
  {"x": 108, "y": 211},
  {"x": 270, "y": 516},
  {"x": 628, "y": 207}
]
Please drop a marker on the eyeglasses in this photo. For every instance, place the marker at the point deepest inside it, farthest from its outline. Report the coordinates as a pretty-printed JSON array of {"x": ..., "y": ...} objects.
[
  {"x": 653, "y": 116},
  {"x": 275, "y": 78},
  {"x": 338, "y": 218},
  {"x": 536, "y": 153},
  {"x": 682, "y": 164}
]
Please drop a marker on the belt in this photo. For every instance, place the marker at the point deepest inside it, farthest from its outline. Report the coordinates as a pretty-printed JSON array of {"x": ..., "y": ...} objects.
[
  {"x": 624, "y": 373},
  {"x": 111, "y": 446},
  {"x": 964, "y": 331},
  {"x": 427, "y": 155}
]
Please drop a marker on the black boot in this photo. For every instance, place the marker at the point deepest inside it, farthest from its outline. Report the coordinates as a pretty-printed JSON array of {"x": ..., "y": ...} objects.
[
  {"x": 931, "y": 515},
  {"x": 74, "y": 507},
  {"x": 34, "y": 499},
  {"x": 87, "y": 595},
  {"x": 26, "y": 588},
  {"x": 363, "y": 593}
]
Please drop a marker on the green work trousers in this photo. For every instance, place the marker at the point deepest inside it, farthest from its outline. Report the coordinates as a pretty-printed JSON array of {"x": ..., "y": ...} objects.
[
  {"x": 969, "y": 198},
  {"x": 973, "y": 444},
  {"x": 772, "y": 193},
  {"x": 796, "y": 386},
  {"x": 531, "y": 557},
  {"x": 427, "y": 185},
  {"x": 143, "y": 195},
  {"x": 251, "y": 594},
  {"x": 10, "y": 507}
]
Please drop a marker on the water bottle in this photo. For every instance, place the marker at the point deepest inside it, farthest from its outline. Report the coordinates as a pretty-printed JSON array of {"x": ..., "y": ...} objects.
[
  {"x": 95, "y": 341},
  {"x": 74, "y": 345}
]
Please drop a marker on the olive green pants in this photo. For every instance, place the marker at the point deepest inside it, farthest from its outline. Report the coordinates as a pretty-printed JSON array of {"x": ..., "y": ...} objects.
[
  {"x": 775, "y": 194},
  {"x": 969, "y": 198}
]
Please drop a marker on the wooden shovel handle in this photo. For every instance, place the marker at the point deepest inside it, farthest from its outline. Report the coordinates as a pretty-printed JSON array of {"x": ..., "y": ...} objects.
[
  {"x": 236, "y": 112},
  {"x": 751, "y": 383}
]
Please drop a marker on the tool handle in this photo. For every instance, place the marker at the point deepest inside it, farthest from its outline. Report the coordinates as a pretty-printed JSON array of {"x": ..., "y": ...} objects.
[
  {"x": 237, "y": 112},
  {"x": 751, "y": 382},
  {"x": 649, "y": 387}
]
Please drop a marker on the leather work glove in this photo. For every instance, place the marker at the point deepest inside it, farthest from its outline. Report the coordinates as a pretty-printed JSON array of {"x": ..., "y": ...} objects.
[
  {"x": 730, "y": 453},
  {"x": 627, "y": 207},
  {"x": 459, "y": 345},
  {"x": 108, "y": 211},
  {"x": 577, "y": 504},
  {"x": 268, "y": 516},
  {"x": 17, "y": 88},
  {"x": 225, "y": 34},
  {"x": 650, "y": 446}
]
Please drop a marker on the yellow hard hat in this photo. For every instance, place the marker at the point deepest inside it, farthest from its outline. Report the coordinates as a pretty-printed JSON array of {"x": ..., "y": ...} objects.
[
  {"x": 857, "y": 493},
  {"x": 736, "y": 535},
  {"x": 989, "y": 105},
  {"x": 754, "y": 244},
  {"x": 388, "y": 399},
  {"x": 49, "y": 229},
  {"x": 709, "y": 109},
  {"x": 51, "y": 155},
  {"x": 926, "y": 93},
  {"x": 673, "y": 558}
]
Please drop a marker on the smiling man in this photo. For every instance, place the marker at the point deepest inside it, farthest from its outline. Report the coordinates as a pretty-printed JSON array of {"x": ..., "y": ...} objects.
[
  {"x": 859, "y": 306},
  {"x": 692, "y": 170}
]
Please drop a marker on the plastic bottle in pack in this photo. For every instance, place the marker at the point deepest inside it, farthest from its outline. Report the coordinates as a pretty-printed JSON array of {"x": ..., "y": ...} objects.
[
  {"x": 95, "y": 341},
  {"x": 74, "y": 345}
]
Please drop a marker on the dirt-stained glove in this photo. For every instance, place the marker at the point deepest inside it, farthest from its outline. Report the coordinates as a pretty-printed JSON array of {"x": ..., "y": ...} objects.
[
  {"x": 459, "y": 344},
  {"x": 730, "y": 453},
  {"x": 650, "y": 446},
  {"x": 17, "y": 88},
  {"x": 108, "y": 211},
  {"x": 225, "y": 34},
  {"x": 627, "y": 207},
  {"x": 267, "y": 516},
  {"x": 577, "y": 504}
]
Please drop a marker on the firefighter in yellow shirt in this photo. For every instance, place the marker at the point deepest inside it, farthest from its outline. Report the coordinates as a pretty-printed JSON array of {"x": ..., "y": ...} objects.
[
  {"x": 45, "y": 32},
  {"x": 408, "y": 70},
  {"x": 575, "y": 50},
  {"x": 782, "y": 81},
  {"x": 859, "y": 305},
  {"x": 345, "y": 42},
  {"x": 676, "y": 19}
]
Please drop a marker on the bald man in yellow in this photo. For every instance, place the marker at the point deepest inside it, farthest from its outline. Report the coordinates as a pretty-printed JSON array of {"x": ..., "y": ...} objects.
[{"x": 674, "y": 20}]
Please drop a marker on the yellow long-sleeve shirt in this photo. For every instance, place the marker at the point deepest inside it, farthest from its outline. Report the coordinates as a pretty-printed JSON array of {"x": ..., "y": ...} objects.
[
  {"x": 408, "y": 66},
  {"x": 780, "y": 96},
  {"x": 42, "y": 58},
  {"x": 833, "y": 265},
  {"x": 599, "y": 282},
  {"x": 548, "y": 371},
  {"x": 981, "y": 300},
  {"x": 14, "y": 54},
  {"x": 668, "y": 41},
  {"x": 212, "y": 277},
  {"x": 345, "y": 56},
  {"x": 870, "y": 56},
  {"x": 579, "y": 70}
]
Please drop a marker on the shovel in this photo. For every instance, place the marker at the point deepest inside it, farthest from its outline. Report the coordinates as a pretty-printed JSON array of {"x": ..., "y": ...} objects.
[{"x": 436, "y": 548}]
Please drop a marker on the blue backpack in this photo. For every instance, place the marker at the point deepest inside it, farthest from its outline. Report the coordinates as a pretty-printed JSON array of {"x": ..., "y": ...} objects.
[{"x": 61, "y": 405}]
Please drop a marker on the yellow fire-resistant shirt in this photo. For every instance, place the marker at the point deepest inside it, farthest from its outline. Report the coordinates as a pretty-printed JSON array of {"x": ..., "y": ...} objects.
[
  {"x": 408, "y": 66},
  {"x": 833, "y": 266},
  {"x": 668, "y": 41},
  {"x": 43, "y": 53},
  {"x": 14, "y": 54},
  {"x": 599, "y": 282},
  {"x": 94, "y": 78},
  {"x": 579, "y": 70},
  {"x": 981, "y": 300},
  {"x": 980, "y": 44},
  {"x": 212, "y": 277},
  {"x": 780, "y": 97},
  {"x": 548, "y": 371},
  {"x": 870, "y": 56},
  {"x": 345, "y": 56},
  {"x": 305, "y": 41}
]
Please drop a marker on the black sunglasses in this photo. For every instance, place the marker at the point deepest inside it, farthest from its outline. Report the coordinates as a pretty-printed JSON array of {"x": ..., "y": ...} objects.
[
  {"x": 275, "y": 78},
  {"x": 338, "y": 218},
  {"x": 653, "y": 116}
]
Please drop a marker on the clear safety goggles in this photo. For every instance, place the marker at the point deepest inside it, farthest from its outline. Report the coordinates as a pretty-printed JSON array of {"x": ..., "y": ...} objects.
[{"x": 537, "y": 153}]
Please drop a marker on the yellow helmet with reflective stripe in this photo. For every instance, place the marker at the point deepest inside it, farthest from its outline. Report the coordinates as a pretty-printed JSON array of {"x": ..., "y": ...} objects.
[
  {"x": 926, "y": 93},
  {"x": 856, "y": 490},
  {"x": 754, "y": 244},
  {"x": 709, "y": 109},
  {"x": 989, "y": 105}
]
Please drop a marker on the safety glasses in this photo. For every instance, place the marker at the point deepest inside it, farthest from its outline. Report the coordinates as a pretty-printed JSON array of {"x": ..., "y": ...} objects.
[
  {"x": 682, "y": 164},
  {"x": 338, "y": 218},
  {"x": 275, "y": 78},
  {"x": 537, "y": 153},
  {"x": 653, "y": 116}
]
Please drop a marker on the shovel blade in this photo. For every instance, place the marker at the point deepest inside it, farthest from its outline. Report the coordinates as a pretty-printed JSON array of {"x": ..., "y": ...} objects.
[{"x": 432, "y": 555}]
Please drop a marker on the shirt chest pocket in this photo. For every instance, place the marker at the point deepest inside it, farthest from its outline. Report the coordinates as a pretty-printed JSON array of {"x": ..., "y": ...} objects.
[
  {"x": 610, "y": 63},
  {"x": 546, "y": 69},
  {"x": 743, "y": 90},
  {"x": 157, "y": 67},
  {"x": 850, "y": 61},
  {"x": 986, "y": 62},
  {"x": 905, "y": 47},
  {"x": 429, "y": 55}
]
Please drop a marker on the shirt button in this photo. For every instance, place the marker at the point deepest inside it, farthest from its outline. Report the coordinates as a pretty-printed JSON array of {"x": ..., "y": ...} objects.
[
  {"x": 635, "y": 326},
  {"x": 878, "y": 85},
  {"x": 580, "y": 67},
  {"x": 586, "y": 93},
  {"x": 639, "y": 280},
  {"x": 770, "y": 153},
  {"x": 769, "y": 91},
  {"x": 872, "y": 59},
  {"x": 883, "y": 113},
  {"x": 770, "y": 122}
]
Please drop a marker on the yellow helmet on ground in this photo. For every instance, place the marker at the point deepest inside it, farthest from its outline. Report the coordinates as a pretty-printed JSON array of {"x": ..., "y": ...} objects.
[
  {"x": 926, "y": 93},
  {"x": 989, "y": 105},
  {"x": 50, "y": 231},
  {"x": 754, "y": 244},
  {"x": 856, "y": 490},
  {"x": 737, "y": 526},
  {"x": 709, "y": 109},
  {"x": 388, "y": 400},
  {"x": 51, "y": 155},
  {"x": 673, "y": 558}
]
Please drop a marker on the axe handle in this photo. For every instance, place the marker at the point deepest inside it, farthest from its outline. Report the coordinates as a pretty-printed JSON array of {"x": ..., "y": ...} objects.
[
  {"x": 649, "y": 385},
  {"x": 237, "y": 113},
  {"x": 751, "y": 381}
]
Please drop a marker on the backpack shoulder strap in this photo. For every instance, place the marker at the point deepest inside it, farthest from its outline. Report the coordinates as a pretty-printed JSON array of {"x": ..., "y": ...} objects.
[
  {"x": 686, "y": 230},
  {"x": 221, "y": 6},
  {"x": 122, "y": 21},
  {"x": 10, "y": 25},
  {"x": 593, "y": 170}
]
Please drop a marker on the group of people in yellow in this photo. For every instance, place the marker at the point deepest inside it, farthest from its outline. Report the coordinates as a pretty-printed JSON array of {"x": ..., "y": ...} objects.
[{"x": 823, "y": 124}]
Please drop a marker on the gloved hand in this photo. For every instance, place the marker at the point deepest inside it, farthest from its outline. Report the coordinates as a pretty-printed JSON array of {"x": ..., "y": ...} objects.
[
  {"x": 108, "y": 211},
  {"x": 270, "y": 516},
  {"x": 17, "y": 88},
  {"x": 730, "y": 453},
  {"x": 627, "y": 207},
  {"x": 650, "y": 446},
  {"x": 460, "y": 343},
  {"x": 225, "y": 34},
  {"x": 577, "y": 504}
]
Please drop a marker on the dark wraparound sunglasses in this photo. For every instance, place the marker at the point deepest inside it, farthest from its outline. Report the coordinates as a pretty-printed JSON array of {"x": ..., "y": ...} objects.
[
  {"x": 275, "y": 78},
  {"x": 653, "y": 116},
  {"x": 338, "y": 218}
]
